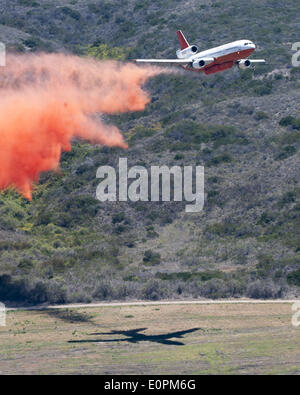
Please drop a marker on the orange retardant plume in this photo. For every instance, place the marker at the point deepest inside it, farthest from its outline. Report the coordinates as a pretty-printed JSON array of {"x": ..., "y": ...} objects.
[{"x": 48, "y": 99}]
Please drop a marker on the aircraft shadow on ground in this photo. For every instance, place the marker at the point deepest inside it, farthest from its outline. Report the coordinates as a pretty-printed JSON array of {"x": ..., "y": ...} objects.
[{"x": 135, "y": 336}]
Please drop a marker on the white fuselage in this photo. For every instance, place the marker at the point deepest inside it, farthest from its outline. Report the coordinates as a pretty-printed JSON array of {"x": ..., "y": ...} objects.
[{"x": 224, "y": 50}]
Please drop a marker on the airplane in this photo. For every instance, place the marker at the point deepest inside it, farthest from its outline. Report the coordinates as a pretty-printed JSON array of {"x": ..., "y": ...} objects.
[{"x": 212, "y": 60}]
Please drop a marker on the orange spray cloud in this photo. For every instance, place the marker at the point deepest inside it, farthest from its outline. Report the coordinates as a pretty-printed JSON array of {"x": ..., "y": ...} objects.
[{"x": 48, "y": 99}]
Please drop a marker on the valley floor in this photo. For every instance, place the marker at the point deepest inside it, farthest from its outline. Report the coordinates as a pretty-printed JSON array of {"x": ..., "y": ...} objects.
[{"x": 210, "y": 338}]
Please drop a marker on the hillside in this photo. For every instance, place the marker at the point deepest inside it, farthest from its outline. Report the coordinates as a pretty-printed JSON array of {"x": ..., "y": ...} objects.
[{"x": 243, "y": 126}]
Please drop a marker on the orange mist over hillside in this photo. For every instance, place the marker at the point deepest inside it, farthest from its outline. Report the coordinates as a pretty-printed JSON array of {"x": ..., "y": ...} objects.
[{"x": 47, "y": 99}]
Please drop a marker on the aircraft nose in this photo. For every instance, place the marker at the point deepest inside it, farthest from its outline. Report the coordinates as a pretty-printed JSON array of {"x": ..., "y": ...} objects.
[{"x": 252, "y": 46}]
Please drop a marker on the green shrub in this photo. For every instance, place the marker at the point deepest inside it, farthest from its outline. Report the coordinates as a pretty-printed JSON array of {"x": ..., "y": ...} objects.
[
  {"x": 188, "y": 276},
  {"x": 151, "y": 258},
  {"x": 29, "y": 3},
  {"x": 266, "y": 265},
  {"x": 217, "y": 160},
  {"x": 20, "y": 291},
  {"x": 154, "y": 290},
  {"x": 286, "y": 152},
  {"x": 266, "y": 218},
  {"x": 140, "y": 132},
  {"x": 193, "y": 133},
  {"x": 293, "y": 278},
  {"x": 119, "y": 229},
  {"x": 265, "y": 290},
  {"x": 181, "y": 147},
  {"x": 74, "y": 210},
  {"x": 118, "y": 217},
  {"x": 290, "y": 121},
  {"x": 71, "y": 13},
  {"x": 261, "y": 115},
  {"x": 222, "y": 229},
  {"x": 14, "y": 245},
  {"x": 104, "y": 51},
  {"x": 104, "y": 291},
  {"x": 289, "y": 197},
  {"x": 25, "y": 264},
  {"x": 261, "y": 87},
  {"x": 34, "y": 43}
]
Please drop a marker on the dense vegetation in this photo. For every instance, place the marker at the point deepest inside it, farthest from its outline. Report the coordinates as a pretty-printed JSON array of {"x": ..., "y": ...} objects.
[{"x": 243, "y": 126}]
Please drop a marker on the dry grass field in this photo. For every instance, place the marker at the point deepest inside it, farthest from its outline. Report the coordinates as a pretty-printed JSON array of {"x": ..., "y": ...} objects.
[{"x": 178, "y": 339}]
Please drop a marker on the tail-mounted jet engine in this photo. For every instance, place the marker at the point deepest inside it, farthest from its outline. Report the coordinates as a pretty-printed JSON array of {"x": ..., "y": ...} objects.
[{"x": 187, "y": 52}]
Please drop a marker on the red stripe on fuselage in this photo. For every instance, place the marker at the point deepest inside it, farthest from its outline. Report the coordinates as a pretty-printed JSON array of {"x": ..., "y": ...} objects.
[{"x": 227, "y": 60}]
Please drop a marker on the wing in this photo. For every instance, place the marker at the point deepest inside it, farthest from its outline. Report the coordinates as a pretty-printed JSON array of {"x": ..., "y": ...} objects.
[
  {"x": 257, "y": 60},
  {"x": 178, "y": 61},
  {"x": 179, "y": 334}
]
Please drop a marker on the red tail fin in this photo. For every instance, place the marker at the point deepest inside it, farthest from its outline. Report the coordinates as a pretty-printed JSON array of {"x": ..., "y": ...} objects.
[{"x": 182, "y": 40}]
